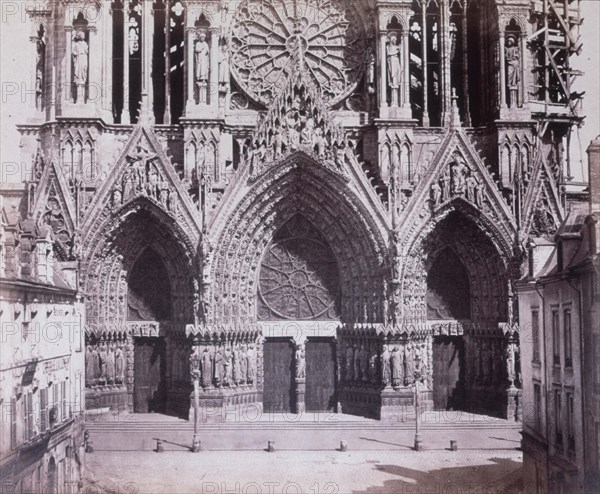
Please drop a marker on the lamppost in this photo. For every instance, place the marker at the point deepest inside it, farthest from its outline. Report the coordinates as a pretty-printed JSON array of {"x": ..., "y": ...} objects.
[
  {"x": 418, "y": 375},
  {"x": 195, "y": 373}
]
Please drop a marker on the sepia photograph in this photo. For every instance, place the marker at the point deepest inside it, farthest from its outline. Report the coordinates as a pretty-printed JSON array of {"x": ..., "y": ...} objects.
[{"x": 300, "y": 246}]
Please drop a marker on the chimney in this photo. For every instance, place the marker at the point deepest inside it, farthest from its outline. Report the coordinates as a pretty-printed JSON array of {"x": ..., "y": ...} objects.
[{"x": 593, "y": 152}]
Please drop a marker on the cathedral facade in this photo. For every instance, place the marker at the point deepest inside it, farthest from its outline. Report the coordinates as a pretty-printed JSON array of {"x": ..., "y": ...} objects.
[{"x": 303, "y": 205}]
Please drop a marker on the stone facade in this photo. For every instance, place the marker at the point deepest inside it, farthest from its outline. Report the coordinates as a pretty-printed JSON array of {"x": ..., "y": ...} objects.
[
  {"x": 42, "y": 362},
  {"x": 559, "y": 318},
  {"x": 231, "y": 175}
]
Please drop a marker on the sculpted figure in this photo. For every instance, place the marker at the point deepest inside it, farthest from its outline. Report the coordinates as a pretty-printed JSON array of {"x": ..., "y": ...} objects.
[
  {"x": 364, "y": 363},
  {"x": 319, "y": 141},
  {"x": 243, "y": 364},
  {"x": 457, "y": 172},
  {"x": 228, "y": 366},
  {"x": 396, "y": 364},
  {"x": 445, "y": 181},
  {"x": 471, "y": 183},
  {"x": 300, "y": 363},
  {"x": 224, "y": 67},
  {"x": 219, "y": 367},
  {"x": 386, "y": 366},
  {"x": 356, "y": 363},
  {"x": 119, "y": 365},
  {"x": 373, "y": 375},
  {"x": 513, "y": 63},
  {"x": 110, "y": 363},
  {"x": 207, "y": 370},
  {"x": 95, "y": 364},
  {"x": 103, "y": 356},
  {"x": 236, "y": 365},
  {"x": 201, "y": 54},
  {"x": 89, "y": 367},
  {"x": 306, "y": 134},
  {"x": 80, "y": 59},
  {"x": 393, "y": 62},
  {"x": 436, "y": 193},
  {"x": 349, "y": 363},
  {"x": 251, "y": 364}
]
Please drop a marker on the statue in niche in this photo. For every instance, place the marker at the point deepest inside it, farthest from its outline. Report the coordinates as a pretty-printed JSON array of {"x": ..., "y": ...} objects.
[
  {"x": 277, "y": 143},
  {"x": 471, "y": 184},
  {"x": 80, "y": 63},
  {"x": 394, "y": 65},
  {"x": 89, "y": 367},
  {"x": 243, "y": 364},
  {"x": 319, "y": 142},
  {"x": 236, "y": 364},
  {"x": 300, "y": 363},
  {"x": 39, "y": 73},
  {"x": 251, "y": 364},
  {"x": 386, "y": 370},
  {"x": 119, "y": 365},
  {"x": 371, "y": 72},
  {"x": 103, "y": 357},
  {"x": 129, "y": 185},
  {"x": 436, "y": 193},
  {"x": 340, "y": 156},
  {"x": 207, "y": 369},
  {"x": 195, "y": 362},
  {"x": 396, "y": 365},
  {"x": 513, "y": 69},
  {"x": 458, "y": 171},
  {"x": 219, "y": 367},
  {"x": 307, "y": 132},
  {"x": 445, "y": 182},
  {"x": 152, "y": 182},
  {"x": 202, "y": 58},
  {"x": 224, "y": 67},
  {"x": 349, "y": 362},
  {"x": 479, "y": 194},
  {"x": 110, "y": 363},
  {"x": 228, "y": 366}
]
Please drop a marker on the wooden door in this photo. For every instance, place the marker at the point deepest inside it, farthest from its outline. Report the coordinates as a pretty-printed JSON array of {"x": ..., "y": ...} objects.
[
  {"x": 149, "y": 390},
  {"x": 278, "y": 392},
  {"x": 448, "y": 357},
  {"x": 320, "y": 375}
]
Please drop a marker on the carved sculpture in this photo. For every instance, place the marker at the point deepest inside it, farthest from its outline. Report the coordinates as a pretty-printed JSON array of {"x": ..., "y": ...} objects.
[
  {"x": 386, "y": 366},
  {"x": 300, "y": 363},
  {"x": 80, "y": 64},
  {"x": 394, "y": 67},
  {"x": 513, "y": 69},
  {"x": 202, "y": 57},
  {"x": 396, "y": 362}
]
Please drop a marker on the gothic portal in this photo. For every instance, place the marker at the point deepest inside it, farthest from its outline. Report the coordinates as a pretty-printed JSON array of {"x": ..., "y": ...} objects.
[{"x": 302, "y": 204}]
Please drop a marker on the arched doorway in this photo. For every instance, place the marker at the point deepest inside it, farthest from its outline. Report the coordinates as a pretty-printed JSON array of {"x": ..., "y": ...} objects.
[
  {"x": 448, "y": 298},
  {"x": 149, "y": 299},
  {"x": 299, "y": 281},
  {"x": 466, "y": 299}
]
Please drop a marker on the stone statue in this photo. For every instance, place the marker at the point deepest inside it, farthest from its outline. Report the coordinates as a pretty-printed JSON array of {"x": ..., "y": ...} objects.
[
  {"x": 307, "y": 132},
  {"x": 373, "y": 357},
  {"x": 228, "y": 366},
  {"x": 470, "y": 184},
  {"x": 436, "y": 193},
  {"x": 386, "y": 370},
  {"x": 251, "y": 364},
  {"x": 110, "y": 363},
  {"x": 224, "y": 67},
  {"x": 319, "y": 141},
  {"x": 300, "y": 363},
  {"x": 396, "y": 365},
  {"x": 445, "y": 181},
  {"x": 80, "y": 59},
  {"x": 119, "y": 365},
  {"x": 349, "y": 362},
  {"x": 371, "y": 72},
  {"x": 206, "y": 362},
  {"x": 513, "y": 68},
  {"x": 356, "y": 363},
  {"x": 277, "y": 143},
  {"x": 95, "y": 364},
  {"x": 89, "y": 367},
  {"x": 394, "y": 65},
  {"x": 479, "y": 194},
  {"x": 202, "y": 58},
  {"x": 236, "y": 365},
  {"x": 243, "y": 364},
  {"x": 219, "y": 367},
  {"x": 457, "y": 174},
  {"x": 103, "y": 357}
]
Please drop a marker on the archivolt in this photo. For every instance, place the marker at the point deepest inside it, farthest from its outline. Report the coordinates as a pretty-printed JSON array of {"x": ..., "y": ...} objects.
[
  {"x": 327, "y": 202},
  {"x": 119, "y": 243}
]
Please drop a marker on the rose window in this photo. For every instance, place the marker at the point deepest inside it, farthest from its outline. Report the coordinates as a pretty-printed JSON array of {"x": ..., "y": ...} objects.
[
  {"x": 298, "y": 276},
  {"x": 270, "y": 37}
]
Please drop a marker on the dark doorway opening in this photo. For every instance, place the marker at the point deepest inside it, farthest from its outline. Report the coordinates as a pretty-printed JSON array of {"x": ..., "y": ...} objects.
[
  {"x": 278, "y": 394},
  {"x": 149, "y": 388},
  {"x": 320, "y": 375},
  {"x": 448, "y": 373}
]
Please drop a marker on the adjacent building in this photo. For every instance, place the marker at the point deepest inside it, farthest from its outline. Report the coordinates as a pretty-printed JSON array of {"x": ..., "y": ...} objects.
[
  {"x": 559, "y": 313},
  {"x": 41, "y": 361}
]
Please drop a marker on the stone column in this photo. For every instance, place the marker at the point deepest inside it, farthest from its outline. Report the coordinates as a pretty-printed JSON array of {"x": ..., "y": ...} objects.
[
  {"x": 300, "y": 373},
  {"x": 147, "y": 109},
  {"x": 107, "y": 68},
  {"x": 68, "y": 81},
  {"x": 213, "y": 82},
  {"x": 383, "y": 85},
  {"x": 125, "y": 115},
  {"x": 522, "y": 96},
  {"x": 446, "y": 81},
  {"x": 406, "y": 79},
  {"x": 189, "y": 66},
  {"x": 34, "y": 83},
  {"x": 465, "y": 69},
  {"x": 167, "y": 114},
  {"x": 424, "y": 58},
  {"x": 502, "y": 70}
]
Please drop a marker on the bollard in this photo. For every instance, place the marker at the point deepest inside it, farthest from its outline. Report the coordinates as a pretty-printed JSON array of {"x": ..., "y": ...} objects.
[
  {"x": 453, "y": 445},
  {"x": 343, "y": 446},
  {"x": 159, "y": 446},
  {"x": 270, "y": 446}
]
